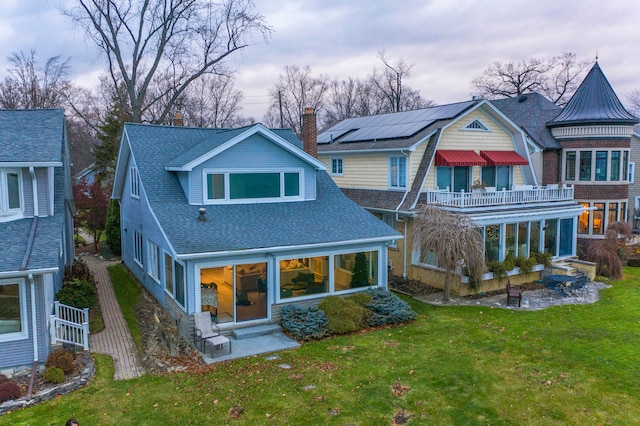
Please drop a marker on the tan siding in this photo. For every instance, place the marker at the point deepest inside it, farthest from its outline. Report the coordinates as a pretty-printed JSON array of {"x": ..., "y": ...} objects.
[
  {"x": 496, "y": 139},
  {"x": 414, "y": 161},
  {"x": 366, "y": 171}
]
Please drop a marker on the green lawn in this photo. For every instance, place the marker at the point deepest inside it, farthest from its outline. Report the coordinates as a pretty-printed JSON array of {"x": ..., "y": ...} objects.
[
  {"x": 567, "y": 365},
  {"x": 127, "y": 293}
]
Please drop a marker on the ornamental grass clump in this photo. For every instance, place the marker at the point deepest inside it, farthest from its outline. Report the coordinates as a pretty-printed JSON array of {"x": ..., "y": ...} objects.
[
  {"x": 387, "y": 309},
  {"x": 304, "y": 324},
  {"x": 345, "y": 315}
]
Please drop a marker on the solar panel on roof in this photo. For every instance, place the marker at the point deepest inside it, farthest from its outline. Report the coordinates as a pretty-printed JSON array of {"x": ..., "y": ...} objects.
[{"x": 388, "y": 126}]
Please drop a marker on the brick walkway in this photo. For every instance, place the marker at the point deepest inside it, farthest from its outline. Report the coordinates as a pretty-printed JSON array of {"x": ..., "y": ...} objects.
[{"x": 115, "y": 340}]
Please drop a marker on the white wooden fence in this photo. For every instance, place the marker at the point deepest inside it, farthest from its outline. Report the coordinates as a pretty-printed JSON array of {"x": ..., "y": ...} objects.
[{"x": 69, "y": 325}]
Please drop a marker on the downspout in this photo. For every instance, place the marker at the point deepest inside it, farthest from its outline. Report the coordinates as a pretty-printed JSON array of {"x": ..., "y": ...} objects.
[
  {"x": 34, "y": 187},
  {"x": 33, "y": 318},
  {"x": 404, "y": 240}
]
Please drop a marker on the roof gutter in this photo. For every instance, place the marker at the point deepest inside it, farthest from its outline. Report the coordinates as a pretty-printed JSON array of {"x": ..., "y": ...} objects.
[
  {"x": 26, "y": 273},
  {"x": 270, "y": 250}
]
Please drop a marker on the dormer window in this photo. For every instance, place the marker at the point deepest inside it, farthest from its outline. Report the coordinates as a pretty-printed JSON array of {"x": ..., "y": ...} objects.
[
  {"x": 476, "y": 125},
  {"x": 238, "y": 186},
  {"x": 10, "y": 194}
]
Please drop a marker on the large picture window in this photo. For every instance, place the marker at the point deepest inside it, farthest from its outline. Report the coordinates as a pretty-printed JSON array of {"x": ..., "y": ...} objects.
[
  {"x": 303, "y": 276},
  {"x": 354, "y": 270},
  {"x": 252, "y": 185},
  {"x": 397, "y": 172},
  {"x": 12, "y": 309},
  {"x": 10, "y": 194}
]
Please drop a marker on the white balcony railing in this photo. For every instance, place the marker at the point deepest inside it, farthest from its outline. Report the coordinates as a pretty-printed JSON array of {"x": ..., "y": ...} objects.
[{"x": 484, "y": 198}]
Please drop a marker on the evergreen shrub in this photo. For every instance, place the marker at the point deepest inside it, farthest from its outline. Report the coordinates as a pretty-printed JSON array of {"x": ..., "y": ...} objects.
[
  {"x": 54, "y": 375},
  {"x": 77, "y": 293},
  {"x": 387, "y": 309},
  {"x": 344, "y": 315},
  {"x": 304, "y": 324}
]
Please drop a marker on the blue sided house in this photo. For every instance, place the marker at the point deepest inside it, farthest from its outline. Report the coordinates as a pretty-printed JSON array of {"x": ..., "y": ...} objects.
[
  {"x": 36, "y": 229},
  {"x": 239, "y": 222}
]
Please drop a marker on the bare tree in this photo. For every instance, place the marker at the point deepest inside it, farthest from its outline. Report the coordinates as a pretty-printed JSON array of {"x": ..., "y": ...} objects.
[
  {"x": 452, "y": 238},
  {"x": 295, "y": 90},
  {"x": 556, "y": 78},
  {"x": 388, "y": 83},
  {"x": 213, "y": 101},
  {"x": 29, "y": 86},
  {"x": 634, "y": 100},
  {"x": 174, "y": 41},
  {"x": 605, "y": 252}
]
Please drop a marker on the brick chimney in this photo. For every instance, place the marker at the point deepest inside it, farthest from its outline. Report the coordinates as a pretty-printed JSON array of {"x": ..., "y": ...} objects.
[
  {"x": 177, "y": 120},
  {"x": 310, "y": 132}
]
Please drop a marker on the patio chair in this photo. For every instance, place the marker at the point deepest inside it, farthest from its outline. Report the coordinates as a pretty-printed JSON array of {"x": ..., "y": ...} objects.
[
  {"x": 515, "y": 293},
  {"x": 207, "y": 332}
]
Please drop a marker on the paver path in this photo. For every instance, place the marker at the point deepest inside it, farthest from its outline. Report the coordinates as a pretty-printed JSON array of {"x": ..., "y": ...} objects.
[{"x": 115, "y": 340}]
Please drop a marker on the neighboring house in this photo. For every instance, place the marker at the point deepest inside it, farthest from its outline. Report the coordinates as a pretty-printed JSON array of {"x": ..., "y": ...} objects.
[
  {"x": 634, "y": 184},
  {"x": 586, "y": 145},
  {"x": 36, "y": 225},
  {"x": 239, "y": 222},
  {"x": 88, "y": 175},
  {"x": 468, "y": 157}
]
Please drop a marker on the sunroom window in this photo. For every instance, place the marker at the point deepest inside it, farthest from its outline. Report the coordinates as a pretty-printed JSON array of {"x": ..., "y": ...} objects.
[
  {"x": 12, "y": 309},
  {"x": 227, "y": 186}
]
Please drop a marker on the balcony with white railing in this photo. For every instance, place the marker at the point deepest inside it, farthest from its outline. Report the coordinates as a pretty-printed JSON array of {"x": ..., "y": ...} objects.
[{"x": 489, "y": 197}]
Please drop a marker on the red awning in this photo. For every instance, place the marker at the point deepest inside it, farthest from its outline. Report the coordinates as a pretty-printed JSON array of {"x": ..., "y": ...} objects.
[
  {"x": 504, "y": 158},
  {"x": 459, "y": 158}
]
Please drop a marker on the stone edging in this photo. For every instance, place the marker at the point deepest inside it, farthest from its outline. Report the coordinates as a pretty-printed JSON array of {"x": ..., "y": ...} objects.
[{"x": 85, "y": 376}]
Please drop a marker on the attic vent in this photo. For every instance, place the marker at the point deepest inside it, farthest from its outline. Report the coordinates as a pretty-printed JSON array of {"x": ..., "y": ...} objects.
[{"x": 475, "y": 125}]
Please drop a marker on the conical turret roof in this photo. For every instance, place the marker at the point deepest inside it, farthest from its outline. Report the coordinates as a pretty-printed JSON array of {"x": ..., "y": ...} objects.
[{"x": 594, "y": 102}]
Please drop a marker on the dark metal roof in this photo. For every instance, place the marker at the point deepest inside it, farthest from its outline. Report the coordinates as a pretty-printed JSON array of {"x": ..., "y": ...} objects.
[
  {"x": 385, "y": 127},
  {"x": 531, "y": 112},
  {"x": 594, "y": 102}
]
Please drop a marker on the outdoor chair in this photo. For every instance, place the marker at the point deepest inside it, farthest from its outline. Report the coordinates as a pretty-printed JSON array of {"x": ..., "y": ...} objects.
[
  {"x": 207, "y": 332},
  {"x": 515, "y": 293}
]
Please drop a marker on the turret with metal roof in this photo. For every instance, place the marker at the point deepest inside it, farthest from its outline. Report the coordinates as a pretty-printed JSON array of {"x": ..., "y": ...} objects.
[{"x": 594, "y": 103}]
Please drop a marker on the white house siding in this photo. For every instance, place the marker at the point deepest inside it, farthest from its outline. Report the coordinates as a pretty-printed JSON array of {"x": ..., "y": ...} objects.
[
  {"x": 634, "y": 186},
  {"x": 254, "y": 153}
]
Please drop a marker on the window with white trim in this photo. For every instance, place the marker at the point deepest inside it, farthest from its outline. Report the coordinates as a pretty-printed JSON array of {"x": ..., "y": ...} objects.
[
  {"x": 135, "y": 183},
  {"x": 238, "y": 186},
  {"x": 12, "y": 310},
  {"x": 10, "y": 193},
  {"x": 137, "y": 248},
  {"x": 153, "y": 258},
  {"x": 398, "y": 172},
  {"x": 336, "y": 166},
  {"x": 168, "y": 274}
]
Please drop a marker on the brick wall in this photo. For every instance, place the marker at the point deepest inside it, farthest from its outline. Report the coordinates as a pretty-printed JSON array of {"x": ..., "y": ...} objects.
[
  {"x": 600, "y": 192},
  {"x": 550, "y": 166},
  {"x": 596, "y": 143}
]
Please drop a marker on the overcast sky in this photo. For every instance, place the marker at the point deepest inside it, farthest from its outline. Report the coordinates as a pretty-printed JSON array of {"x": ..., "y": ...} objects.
[{"x": 448, "y": 42}]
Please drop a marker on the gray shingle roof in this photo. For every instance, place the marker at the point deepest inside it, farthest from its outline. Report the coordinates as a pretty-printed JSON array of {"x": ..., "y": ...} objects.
[
  {"x": 531, "y": 112},
  {"x": 330, "y": 218},
  {"x": 595, "y": 101},
  {"x": 31, "y": 135}
]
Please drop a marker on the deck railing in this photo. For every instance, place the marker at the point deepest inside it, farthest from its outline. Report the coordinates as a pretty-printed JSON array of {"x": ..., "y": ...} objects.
[
  {"x": 485, "y": 198},
  {"x": 69, "y": 325}
]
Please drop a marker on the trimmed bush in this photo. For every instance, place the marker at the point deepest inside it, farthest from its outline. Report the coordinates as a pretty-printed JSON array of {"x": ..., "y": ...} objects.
[
  {"x": 344, "y": 315},
  {"x": 387, "y": 308},
  {"x": 54, "y": 375},
  {"x": 304, "y": 323},
  {"x": 77, "y": 293},
  {"x": 3, "y": 379},
  {"x": 360, "y": 298},
  {"x": 62, "y": 359},
  {"x": 8, "y": 391},
  {"x": 78, "y": 270}
]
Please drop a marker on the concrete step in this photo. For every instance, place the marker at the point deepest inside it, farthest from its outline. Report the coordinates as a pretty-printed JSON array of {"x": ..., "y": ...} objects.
[{"x": 259, "y": 330}]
